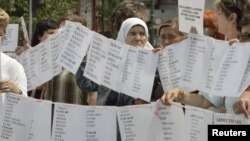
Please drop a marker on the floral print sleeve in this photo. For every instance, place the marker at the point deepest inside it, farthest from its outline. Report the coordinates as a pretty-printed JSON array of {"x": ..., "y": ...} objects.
[{"x": 83, "y": 82}]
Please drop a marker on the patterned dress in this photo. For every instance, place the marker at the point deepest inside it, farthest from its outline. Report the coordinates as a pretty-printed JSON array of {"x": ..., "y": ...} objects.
[{"x": 63, "y": 88}]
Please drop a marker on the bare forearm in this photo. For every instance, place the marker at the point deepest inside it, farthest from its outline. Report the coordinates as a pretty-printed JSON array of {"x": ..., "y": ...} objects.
[
  {"x": 179, "y": 95},
  {"x": 242, "y": 105},
  {"x": 92, "y": 98},
  {"x": 195, "y": 100},
  {"x": 246, "y": 94}
]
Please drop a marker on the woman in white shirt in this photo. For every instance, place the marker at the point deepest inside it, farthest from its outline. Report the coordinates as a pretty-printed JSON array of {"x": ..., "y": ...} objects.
[{"x": 12, "y": 75}]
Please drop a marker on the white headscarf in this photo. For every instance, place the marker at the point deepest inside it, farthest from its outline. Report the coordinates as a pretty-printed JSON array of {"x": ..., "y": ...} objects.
[{"x": 127, "y": 25}]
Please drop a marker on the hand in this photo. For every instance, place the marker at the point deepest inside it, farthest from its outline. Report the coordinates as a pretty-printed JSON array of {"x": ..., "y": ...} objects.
[
  {"x": 20, "y": 49},
  {"x": 158, "y": 49},
  {"x": 139, "y": 102},
  {"x": 8, "y": 86},
  {"x": 242, "y": 105},
  {"x": 175, "y": 94},
  {"x": 233, "y": 41}
]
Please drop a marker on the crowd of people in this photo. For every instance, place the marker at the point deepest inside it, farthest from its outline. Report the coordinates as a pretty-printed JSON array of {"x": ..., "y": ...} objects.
[
  {"x": 230, "y": 21},
  {"x": 228, "y": 16}
]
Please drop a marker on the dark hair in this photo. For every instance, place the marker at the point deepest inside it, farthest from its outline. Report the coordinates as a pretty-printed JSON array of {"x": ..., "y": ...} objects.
[
  {"x": 232, "y": 6},
  {"x": 42, "y": 27},
  {"x": 172, "y": 23},
  {"x": 127, "y": 9},
  {"x": 245, "y": 20},
  {"x": 73, "y": 18}
]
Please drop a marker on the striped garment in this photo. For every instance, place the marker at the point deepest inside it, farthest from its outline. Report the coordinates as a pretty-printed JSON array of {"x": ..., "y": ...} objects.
[{"x": 63, "y": 88}]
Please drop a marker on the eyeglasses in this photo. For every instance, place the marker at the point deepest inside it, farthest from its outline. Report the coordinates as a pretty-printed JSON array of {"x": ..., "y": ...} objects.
[{"x": 244, "y": 36}]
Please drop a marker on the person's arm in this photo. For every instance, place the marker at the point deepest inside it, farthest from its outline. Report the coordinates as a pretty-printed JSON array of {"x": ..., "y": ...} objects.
[
  {"x": 9, "y": 86},
  {"x": 92, "y": 98},
  {"x": 84, "y": 83},
  {"x": 242, "y": 105},
  {"x": 179, "y": 95},
  {"x": 20, "y": 49},
  {"x": 17, "y": 82},
  {"x": 21, "y": 80}
]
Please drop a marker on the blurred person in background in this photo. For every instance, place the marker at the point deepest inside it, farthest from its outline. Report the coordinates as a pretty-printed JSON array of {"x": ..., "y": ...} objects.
[
  {"x": 228, "y": 15},
  {"x": 42, "y": 31},
  {"x": 242, "y": 104},
  {"x": 124, "y": 10},
  {"x": 168, "y": 33},
  {"x": 63, "y": 87}
]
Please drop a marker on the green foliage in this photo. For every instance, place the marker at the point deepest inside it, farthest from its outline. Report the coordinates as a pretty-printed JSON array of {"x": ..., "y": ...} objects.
[
  {"x": 105, "y": 10},
  {"x": 107, "y": 7},
  {"x": 47, "y": 9},
  {"x": 16, "y": 8},
  {"x": 54, "y": 9}
]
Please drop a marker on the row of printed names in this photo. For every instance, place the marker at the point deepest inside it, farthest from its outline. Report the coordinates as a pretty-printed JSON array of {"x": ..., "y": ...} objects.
[
  {"x": 24, "y": 118},
  {"x": 206, "y": 64},
  {"x": 199, "y": 62}
]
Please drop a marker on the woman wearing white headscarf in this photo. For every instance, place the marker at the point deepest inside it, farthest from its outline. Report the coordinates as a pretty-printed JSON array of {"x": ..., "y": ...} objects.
[{"x": 134, "y": 32}]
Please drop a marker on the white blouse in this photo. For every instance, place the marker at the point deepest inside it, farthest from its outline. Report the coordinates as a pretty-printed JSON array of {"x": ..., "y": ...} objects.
[{"x": 14, "y": 71}]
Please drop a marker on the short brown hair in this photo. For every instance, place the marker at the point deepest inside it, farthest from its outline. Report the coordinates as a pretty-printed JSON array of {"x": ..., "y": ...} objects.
[
  {"x": 233, "y": 6},
  {"x": 127, "y": 9},
  {"x": 74, "y": 18},
  {"x": 174, "y": 24}
]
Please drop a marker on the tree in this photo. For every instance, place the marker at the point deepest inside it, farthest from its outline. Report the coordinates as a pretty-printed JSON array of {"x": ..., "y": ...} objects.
[
  {"x": 43, "y": 9},
  {"x": 105, "y": 10}
]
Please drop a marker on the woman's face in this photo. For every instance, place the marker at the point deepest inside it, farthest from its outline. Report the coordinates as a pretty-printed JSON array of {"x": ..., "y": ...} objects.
[
  {"x": 168, "y": 36},
  {"x": 46, "y": 34},
  {"x": 136, "y": 36},
  {"x": 222, "y": 22}
]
